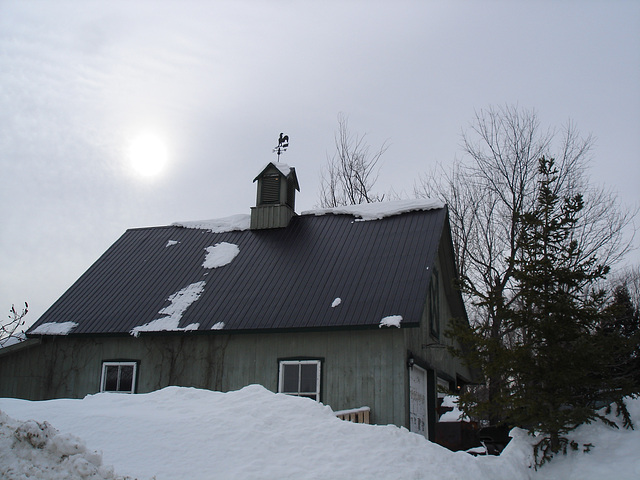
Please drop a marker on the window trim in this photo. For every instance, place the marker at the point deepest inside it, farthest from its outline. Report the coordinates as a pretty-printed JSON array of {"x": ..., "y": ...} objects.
[
  {"x": 301, "y": 361},
  {"x": 119, "y": 363}
]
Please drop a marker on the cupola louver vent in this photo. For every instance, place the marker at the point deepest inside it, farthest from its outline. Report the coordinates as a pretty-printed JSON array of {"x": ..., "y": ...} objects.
[{"x": 270, "y": 189}]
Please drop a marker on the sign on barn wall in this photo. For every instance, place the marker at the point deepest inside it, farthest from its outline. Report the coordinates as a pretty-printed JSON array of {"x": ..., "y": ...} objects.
[{"x": 418, "y": 400}]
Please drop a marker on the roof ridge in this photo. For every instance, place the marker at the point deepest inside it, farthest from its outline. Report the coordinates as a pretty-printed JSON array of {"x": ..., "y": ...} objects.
[{"x": 380, "y": 210}]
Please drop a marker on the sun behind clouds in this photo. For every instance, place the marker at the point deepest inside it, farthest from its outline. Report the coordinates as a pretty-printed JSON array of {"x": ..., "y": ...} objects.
[{"x": 148, "y": 154}]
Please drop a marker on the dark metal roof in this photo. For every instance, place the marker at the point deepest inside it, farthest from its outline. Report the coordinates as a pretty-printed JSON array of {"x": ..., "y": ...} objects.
[{"x": 283, "y": 278}]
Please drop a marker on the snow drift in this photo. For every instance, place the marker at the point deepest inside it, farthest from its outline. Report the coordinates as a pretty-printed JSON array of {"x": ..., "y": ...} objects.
[{"x": 252, "y": 433}]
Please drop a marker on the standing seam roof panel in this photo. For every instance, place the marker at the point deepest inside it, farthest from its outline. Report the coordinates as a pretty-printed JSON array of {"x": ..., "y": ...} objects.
[
  {"x": 282, "y": 278},
  {"x": 332, "y": 284}
]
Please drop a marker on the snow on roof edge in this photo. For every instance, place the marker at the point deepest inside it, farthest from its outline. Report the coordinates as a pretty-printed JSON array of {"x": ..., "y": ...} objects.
[
  {"x": 237, "y": 222},
  {"x": 379, "y": 210},
  {"x": 54, "y": 328},
  {"x": 362, "y": 212}
]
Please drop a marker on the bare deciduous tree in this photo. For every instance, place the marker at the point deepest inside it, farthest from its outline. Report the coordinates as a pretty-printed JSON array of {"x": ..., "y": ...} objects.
[
  {"x": 351, "y": 173},
  {"x": 494, "y": 185},
  {"x": 9, "y": 330}
]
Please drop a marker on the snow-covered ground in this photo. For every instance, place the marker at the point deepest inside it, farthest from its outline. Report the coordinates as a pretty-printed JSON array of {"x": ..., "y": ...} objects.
[{"x": 185, "y": 433}]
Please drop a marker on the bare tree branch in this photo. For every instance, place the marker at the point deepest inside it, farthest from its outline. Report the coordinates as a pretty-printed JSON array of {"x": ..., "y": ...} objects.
[
  {"x": 351, "y": 173},
  {"x": 497, "y": 183},
  {"x": 9, "y": 330}
]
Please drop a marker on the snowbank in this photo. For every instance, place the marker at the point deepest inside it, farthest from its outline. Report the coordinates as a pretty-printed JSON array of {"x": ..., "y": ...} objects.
[
  {"x": 186, "y": 433},
  {"x": 30, "y": 449},
  {"x": 614, "y": 456}
]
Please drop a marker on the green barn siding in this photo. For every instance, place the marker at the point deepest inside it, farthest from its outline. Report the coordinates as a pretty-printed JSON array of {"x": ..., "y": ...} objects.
[
  {"x": 417, "y": 339},
  {"x": 364, "y": 367}
]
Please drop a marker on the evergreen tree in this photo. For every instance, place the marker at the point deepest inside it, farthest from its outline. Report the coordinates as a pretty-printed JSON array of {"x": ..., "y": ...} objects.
[
  {"x": 624, "y": 321},
  {"x": 555, "y": 370}
]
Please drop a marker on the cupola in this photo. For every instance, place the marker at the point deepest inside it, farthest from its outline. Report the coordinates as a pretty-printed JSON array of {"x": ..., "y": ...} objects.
[{"x": 276, "y": 197}]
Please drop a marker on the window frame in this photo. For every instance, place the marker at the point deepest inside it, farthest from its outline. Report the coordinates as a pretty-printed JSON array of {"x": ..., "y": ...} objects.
[
  {"x": 316, "y": 395},
  {"x": 119, "y": 363}
]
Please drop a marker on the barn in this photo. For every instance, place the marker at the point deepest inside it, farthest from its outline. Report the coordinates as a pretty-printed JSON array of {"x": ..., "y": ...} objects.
[{"x": 345, "y": 306}]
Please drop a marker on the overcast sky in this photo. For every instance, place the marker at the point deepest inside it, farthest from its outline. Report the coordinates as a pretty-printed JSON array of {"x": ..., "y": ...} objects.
[{"x": 217, "y": 82}]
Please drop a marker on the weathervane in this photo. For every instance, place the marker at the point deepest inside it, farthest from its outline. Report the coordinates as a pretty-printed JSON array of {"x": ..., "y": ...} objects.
[{"x": 283, "y": 143}]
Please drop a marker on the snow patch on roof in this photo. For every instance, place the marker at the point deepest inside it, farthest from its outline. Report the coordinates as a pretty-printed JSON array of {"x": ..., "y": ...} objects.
[
  {"x": 171, "y": 243},
  {"x": 336, "y": 302},
  {"x": 218, "y": 326},
  {"x": 55, "y": 328},
  {"x": 180, "y": 301},
  {"x": 220, "y": 254},
  {"x": 379, "y": 210},
  {"x": 220, "y": 225},
  {"x": 391, "y": 321}
]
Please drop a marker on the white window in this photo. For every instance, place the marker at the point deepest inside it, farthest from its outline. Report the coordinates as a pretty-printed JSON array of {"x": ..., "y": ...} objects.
[
  {"x": 118, "y": 377},
  {"x": 300, "y": 378}
]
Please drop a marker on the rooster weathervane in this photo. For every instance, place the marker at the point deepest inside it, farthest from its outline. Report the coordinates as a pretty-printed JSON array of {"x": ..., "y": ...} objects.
[{"x": 283, "y": 143}]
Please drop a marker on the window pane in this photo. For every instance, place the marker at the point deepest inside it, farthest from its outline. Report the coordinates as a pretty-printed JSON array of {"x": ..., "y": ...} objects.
[
  {"x": 126, "y": 378},
  {"x": 111, "y": 378},
  {"x": 309, "y": 375},
  {"x": 290, "y": 378}
]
